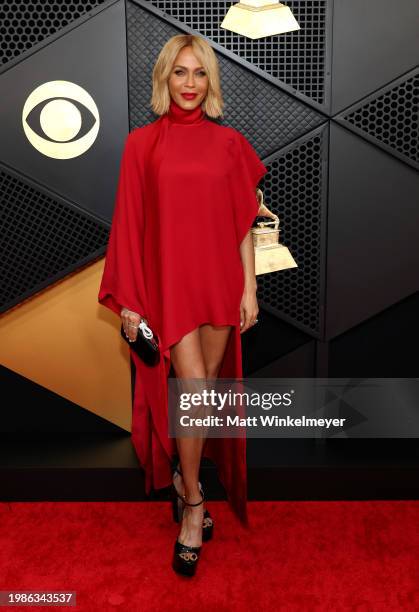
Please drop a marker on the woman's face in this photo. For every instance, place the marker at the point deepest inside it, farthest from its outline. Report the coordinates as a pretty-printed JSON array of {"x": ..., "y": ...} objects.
[{"x": 187, "y": 77}]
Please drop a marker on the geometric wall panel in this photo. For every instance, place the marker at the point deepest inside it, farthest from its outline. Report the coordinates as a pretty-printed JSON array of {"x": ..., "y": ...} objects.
[
  {"x": 266, "y": 115},
  {"x": 297, "y": 59},
  {"x": 374, "y": 42},
  {"x": 390, "y": 118},
  {"x": 42, "y": 239},
  {"x": 91, "y": 53},
  {"x": 29, "y": 23},
  {"x": 42, "y": 410},
  {"x": 295, "y": 188},
  {"x": 373, "y": 231},
  {"x": 63, "y": 341}
]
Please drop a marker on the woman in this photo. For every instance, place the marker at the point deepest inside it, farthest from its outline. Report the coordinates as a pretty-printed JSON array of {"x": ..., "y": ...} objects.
[{"x": 180, "y": 257}]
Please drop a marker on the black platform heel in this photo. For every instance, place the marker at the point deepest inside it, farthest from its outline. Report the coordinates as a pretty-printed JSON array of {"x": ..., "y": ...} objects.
[
  {"x": 185, "y": 558},
  {"x": 178, "y": 506}
]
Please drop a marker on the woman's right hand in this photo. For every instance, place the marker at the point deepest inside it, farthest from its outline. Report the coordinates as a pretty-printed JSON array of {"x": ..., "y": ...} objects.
[{"x": 131, "y": 321}]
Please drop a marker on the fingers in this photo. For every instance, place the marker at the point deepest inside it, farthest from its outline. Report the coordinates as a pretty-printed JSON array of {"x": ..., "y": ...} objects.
[
  {"x": 130, "y": 321},
  {"x": 246, "y": 322},
  {"x": 242, "y": 317},
  {"x": 247, "y": 319}
]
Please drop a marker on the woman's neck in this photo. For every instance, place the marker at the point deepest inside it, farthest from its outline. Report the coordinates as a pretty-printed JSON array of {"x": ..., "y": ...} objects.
[{"x": 177, "y": 114}]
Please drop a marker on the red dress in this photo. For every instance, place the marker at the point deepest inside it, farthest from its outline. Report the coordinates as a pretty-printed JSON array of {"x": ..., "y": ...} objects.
[{"x": 185, "y": 201}]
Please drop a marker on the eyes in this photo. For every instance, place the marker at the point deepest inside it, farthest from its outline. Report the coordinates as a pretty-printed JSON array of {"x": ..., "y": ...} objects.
[{"x": 179, "y": 71}]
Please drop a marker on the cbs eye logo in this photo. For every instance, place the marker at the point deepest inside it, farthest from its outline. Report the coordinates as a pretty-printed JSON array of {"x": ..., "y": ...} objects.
[{"x": 66, "y": 114}]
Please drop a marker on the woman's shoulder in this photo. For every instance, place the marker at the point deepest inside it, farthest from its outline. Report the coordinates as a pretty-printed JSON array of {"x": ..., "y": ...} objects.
[
  {"x": 138, "y": 138},
  {"x": 226, "y": 132},
  {"x": 232, "y": 133},
  {"x": 140, "y": 133},
  {"x": 237, "y": 135}
]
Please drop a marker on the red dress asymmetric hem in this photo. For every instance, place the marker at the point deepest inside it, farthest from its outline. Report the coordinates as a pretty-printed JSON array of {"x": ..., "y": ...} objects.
[{"x": 185, "y": 200}]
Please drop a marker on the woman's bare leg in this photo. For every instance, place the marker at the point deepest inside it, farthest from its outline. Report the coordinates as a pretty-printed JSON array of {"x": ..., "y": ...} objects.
[
  {"x": 197, "y": 355},
  {"x": 213, "y": 342},
  {"x": 187, "y": 359}
]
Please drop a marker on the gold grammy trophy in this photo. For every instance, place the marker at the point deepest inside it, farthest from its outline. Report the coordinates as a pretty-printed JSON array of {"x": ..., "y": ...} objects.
[{"x": 270, "y": 255}]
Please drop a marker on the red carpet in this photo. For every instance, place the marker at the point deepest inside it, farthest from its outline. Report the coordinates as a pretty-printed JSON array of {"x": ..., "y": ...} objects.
[{"x": 298, "y": 556}]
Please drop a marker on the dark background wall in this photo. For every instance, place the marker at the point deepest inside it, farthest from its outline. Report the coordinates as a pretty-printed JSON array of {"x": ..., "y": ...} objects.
[{"x": 333, "y": 111}]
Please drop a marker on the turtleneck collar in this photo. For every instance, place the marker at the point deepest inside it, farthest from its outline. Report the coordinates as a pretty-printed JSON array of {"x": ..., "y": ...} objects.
[{"x": 177, "y": 114}]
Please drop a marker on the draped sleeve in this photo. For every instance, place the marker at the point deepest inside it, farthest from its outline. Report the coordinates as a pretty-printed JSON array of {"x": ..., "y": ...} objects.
[
  {"x": 248, "y": 170},
  {"x": 123, "y": 283}
]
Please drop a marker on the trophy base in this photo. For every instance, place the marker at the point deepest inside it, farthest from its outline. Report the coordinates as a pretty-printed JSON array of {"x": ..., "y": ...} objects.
[{"x": 273, "y": 258}]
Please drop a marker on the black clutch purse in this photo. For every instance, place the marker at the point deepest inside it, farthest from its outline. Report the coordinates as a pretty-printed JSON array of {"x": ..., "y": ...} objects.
[{"x": 146, "y": 345}]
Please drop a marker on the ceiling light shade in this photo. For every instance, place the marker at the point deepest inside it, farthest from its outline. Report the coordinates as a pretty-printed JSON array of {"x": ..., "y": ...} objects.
[{"x": 259, "y": 18}]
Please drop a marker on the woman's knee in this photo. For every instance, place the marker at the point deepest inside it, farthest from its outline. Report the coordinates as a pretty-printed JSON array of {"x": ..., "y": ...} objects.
[
  {"x": 212, "y": 370},
  {"x": 185, "y": 368},
  {"x": 187, "y": 357}
]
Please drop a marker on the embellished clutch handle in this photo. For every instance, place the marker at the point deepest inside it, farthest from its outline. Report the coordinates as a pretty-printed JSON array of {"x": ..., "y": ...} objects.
[{"x": 146, "y": 345}]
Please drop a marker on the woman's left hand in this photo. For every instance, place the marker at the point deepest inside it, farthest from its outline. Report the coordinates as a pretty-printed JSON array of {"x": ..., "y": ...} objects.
[{"x": 248, "y": 309}]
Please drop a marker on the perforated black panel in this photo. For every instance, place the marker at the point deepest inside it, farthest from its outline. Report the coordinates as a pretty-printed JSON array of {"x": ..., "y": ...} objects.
[
  {"x": 390, "y": 118},
  {"x": 295, "y": 190},
  {"x": 41, "y": 239},
  {"x": 25, "y": 24},
  {"x": 295, "y": 58}
]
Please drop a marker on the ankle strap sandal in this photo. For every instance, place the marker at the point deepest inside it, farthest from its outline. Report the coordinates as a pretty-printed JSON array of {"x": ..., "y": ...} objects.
[
  {"x": 185, "y": 558},
  {"x": 178, "y": 503}
]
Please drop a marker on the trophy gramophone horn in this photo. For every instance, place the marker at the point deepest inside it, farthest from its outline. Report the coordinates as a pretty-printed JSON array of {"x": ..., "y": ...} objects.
[{"x": 270, "y": 255}]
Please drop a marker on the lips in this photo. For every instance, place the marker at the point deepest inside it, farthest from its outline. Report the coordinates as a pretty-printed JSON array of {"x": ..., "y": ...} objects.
[{"x": 189, "y": 96}]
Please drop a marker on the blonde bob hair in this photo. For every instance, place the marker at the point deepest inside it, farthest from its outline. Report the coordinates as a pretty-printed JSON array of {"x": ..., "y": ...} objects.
[{"x": 213, "y": 103}]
